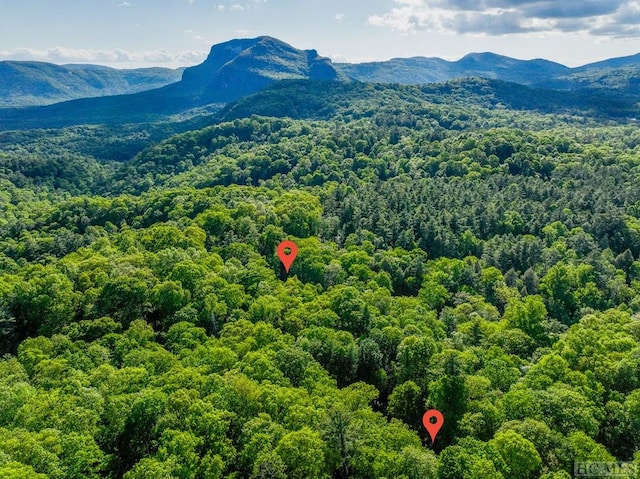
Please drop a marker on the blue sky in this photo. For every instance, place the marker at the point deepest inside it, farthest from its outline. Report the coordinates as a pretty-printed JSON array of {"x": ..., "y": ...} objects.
[{"x": 129, "y": 33}]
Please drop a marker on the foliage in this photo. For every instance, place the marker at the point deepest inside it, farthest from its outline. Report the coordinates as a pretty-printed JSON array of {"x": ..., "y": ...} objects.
[{"x": 480, "y": 262}]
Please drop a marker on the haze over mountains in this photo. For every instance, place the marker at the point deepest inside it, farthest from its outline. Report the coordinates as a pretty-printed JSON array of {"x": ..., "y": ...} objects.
[
  {"x": 238, "y": 68},
  {"x": 38, "y": 83},
  {"x": 537, "y": 72},
  {"x": 232, "y": 70},
  {"x": 418, "y": 70}
]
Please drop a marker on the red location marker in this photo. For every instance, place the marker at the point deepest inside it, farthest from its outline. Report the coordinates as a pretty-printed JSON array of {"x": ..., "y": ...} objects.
[
  {"x": 287, "y": 259},
  {"x": 433, "y": 427}
]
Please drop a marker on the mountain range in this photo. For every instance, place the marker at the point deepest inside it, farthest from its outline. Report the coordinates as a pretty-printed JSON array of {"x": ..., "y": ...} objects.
[
  {"x": 38, "y": 83},
  {"x": 537, "y": 72},
  {"x": 238, "y": 68},
  {"x": 232, "y": 70}
]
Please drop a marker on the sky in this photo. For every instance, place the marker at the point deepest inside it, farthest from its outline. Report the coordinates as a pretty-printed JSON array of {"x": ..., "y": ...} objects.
[{"x": 172, "y": 33}]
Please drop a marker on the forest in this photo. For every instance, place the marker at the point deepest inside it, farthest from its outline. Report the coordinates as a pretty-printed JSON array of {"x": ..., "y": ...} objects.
[{"x": 455, "y": 252}]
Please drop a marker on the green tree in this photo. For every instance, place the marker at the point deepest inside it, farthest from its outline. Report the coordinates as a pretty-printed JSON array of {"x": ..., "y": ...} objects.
[
  {"x": 406, "y": 403},
  {"x": 125, "y": 298},
  {"x": 149, "y": 468},
  {"x": 139, "y": 436},
  {"x": 528, "y": 315},
  {"x": 43, "y": 303},
  {"x": 558, "y": 287},
  {"x": 302, "y": 453},
  {"x": 348, "y": 304},
  {"x": 269, "y": 465},
  {"x": 448, "y": 394},
  {"x": 413, "y": 358},
  {"x": 15, "y": 470},
  {"x": 519, "y": 455}
]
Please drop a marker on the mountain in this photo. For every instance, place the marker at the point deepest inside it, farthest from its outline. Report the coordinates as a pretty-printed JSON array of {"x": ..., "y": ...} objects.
[
  {"x": 620, "y": 74},
  {"x": 418, "y": 70},
  {"x": 38, "y": 83},
  {"x": 323, "y": 101},
  {"x": 617, "y": 80},
  {"x": 409, "y": 71},
  {"x": 491, "y": 65},
  {"x": 238, "y": 68},
  {"x": 603, "y": 86},
  {"x": 232, "y": 70},
  {"x": 619, "y": 62}
]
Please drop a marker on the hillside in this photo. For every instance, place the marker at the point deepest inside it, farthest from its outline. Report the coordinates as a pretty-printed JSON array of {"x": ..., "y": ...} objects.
[
  {"x": 324, "y": 100},
  {"x": 538, "y": 73},
  {"x": 37, "y": 83},
  {"x": 458, "y": 249},
  {"x": 419, "y": 70},
  {"x": 619, "y": 62}
]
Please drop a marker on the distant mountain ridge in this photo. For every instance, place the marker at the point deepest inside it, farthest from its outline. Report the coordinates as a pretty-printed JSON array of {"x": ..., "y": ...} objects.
[
  {"x": 536, "y": 73},
  {"x": 617, "y": 62},
  {"x": 38, "y": 83},
  {"x": 416, "y": 70},
  {"x": 238, "y": 68},
  {"x": 232, "y": 70}
]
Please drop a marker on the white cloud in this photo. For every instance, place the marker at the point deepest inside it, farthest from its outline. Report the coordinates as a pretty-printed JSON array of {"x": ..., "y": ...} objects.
[
  {"x": 126, "y": 4},
  {"x": 340, "y": 16},
  {"x": 193, "y": 35},
  {"x": 116, "y": 57},
  {"x": 501, "y": 17},
  {"x": 239, "y": 6}
]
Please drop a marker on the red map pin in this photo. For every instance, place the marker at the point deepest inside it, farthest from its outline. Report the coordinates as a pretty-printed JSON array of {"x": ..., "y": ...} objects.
[
  {"x": 433, "y": 427},
  {"x": 287, "y": 259}
]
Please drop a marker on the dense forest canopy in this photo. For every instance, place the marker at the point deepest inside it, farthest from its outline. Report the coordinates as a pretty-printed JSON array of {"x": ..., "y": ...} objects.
[{"x": 462, "y": 255}]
